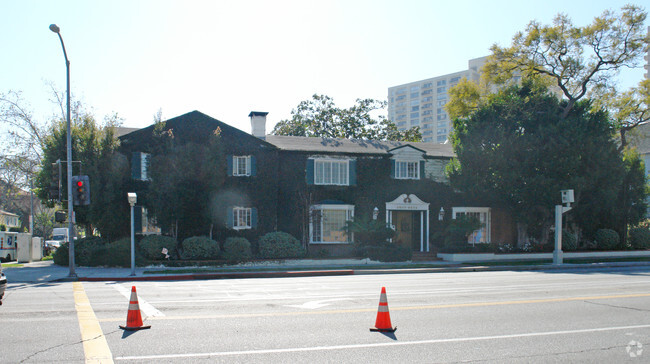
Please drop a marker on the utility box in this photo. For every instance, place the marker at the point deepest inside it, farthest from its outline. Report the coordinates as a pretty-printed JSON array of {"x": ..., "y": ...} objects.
[
  {"x": 37, "y": 249},
  {"x": 24, "y": 248},
  {"x": 567, "y": 196}
]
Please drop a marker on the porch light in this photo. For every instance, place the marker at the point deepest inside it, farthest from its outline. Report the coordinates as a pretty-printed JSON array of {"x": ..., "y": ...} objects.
[
  {"x": 375, "y": 213},
  {"x": 441, "y": 214}
]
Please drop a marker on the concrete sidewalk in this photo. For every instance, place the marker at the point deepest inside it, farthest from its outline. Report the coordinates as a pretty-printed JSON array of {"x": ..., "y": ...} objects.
[{"x": 47, "y": 271}]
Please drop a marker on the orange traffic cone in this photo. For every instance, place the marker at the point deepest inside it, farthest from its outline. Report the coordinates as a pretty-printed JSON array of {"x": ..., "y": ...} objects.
[
  {"x": 133, "y": 318},
  {"x": 382, "y": 323}
]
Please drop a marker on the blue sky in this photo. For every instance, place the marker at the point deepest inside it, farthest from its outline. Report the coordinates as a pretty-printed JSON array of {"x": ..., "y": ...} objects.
[{"x": 227, "y": 58}]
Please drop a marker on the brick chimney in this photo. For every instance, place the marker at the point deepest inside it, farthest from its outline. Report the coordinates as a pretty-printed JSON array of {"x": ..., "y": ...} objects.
[{"x": 258, "y": 124}]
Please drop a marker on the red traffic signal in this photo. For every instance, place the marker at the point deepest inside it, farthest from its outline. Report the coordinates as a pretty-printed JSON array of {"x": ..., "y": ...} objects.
[{"x": 81, "y": 194}]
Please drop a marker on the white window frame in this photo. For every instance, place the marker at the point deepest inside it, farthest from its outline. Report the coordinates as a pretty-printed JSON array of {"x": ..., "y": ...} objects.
[
  {"x": 149, "y": 224},
  {"x": 338, "y": 167},
  {"x": 242, "y": 162},
  {"x": 482, "y": 235},
  {"x": 145, "y": 161},
  {"x": 318, "y": 228},
  {"x": 242, "y": 218},
  {"x": 402, "y": 169}
]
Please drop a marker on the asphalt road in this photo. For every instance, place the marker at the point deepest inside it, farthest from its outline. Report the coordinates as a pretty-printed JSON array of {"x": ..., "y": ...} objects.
[{"x": 591, "y": 315}]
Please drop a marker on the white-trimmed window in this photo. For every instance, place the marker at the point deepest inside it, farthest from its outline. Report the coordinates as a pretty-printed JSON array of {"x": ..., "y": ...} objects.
[
  {"x": 328, "y": 223},
  {"x": 242, "y": 218},
  {"x": 241, "y": 165},
  {"x": 407, "y": 170},
  {"x": 482, "y": 235},
  {"x": 331, "y": 172}
]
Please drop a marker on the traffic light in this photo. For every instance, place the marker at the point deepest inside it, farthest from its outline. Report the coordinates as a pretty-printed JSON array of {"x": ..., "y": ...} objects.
[
  {"x": 59, "y": 216},
  {"x": 54, "y": 192},
  {"x": 80, "y": 190}
]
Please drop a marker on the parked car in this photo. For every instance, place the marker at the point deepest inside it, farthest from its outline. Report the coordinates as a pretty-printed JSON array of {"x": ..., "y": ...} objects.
[{"x": 3, "y": 283}]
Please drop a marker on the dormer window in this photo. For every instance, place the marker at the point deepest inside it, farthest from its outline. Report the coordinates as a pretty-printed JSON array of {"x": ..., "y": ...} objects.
[
  {"x": 407, "y": 162},
  {"x": 407, "y": 170}
]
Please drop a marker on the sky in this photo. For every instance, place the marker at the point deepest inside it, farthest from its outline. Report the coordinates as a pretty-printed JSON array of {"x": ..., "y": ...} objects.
[{"x": 227, "y": 58}]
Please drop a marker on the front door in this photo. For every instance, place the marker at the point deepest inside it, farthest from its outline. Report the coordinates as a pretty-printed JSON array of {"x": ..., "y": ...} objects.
[{"x": 407, "y": 228}]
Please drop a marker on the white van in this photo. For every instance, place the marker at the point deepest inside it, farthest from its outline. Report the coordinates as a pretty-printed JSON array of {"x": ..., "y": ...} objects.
[
  {"x": 8, "y": 245},
  {"x": 59, "y": 236}
]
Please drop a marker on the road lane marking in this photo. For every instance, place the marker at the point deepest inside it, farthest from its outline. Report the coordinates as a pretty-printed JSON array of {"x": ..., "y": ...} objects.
[
  {"x": 312, "y": 305},
  {"x": 96, "y": 348},
  {"x": 392, "y": 308},
  {"x": 145, "y": 307},
  {"x": 384, "y": 344}
]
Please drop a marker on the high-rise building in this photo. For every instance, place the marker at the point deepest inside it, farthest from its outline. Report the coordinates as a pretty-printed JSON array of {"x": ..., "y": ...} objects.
[{"x": 422, "y": 103}]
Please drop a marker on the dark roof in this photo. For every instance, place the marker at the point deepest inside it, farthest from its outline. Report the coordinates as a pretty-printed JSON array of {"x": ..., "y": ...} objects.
[
  {"x": 333, "y": 145},
  {"x": 193, "y": 125},
  {"x": 118, "y": 131}
]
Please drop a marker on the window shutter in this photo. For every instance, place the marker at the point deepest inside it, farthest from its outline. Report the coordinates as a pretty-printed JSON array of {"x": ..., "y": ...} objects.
[
  {"x": 136, "y": 165},
  {"x": 230, "y": 162},
  {"x": 253, "y": 166},
  {"x": 352, "y": 165},
  {"x": 421, "y": 169},
  {"x": 254, "y": 218},
  {"x": 137, "y": 219},
  {"x": 392, "y": 168},
  {"x": 310, "y": 172},
  {"x": 230, "y": 216}
]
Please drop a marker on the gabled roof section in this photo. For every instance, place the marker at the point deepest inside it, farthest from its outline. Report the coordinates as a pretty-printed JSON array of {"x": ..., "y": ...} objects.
[
  {"x": 193, "y": 126},
  {"x": 355, "y": 146},
  {"x": 406, "y": 146}
]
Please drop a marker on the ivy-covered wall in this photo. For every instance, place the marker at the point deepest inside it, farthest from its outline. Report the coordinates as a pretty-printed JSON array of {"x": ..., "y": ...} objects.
[{"x": 374, "y": 188}]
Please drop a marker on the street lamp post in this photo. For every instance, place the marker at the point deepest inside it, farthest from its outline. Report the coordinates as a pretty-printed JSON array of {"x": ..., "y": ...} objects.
[
  {"x": 55, "y": 29},
  {"x": 132, "y": 197}
]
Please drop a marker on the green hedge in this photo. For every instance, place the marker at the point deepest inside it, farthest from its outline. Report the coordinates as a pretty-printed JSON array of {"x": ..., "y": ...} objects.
[
  {"x": 95, "y": 252},
  {"x": 640, "y": 238},
  {"x": 200, "y": 247},
  {"x": 569, "y": 241},
  {"x": 152, "y": 246},
  {"x": 606, "y": 239},
  {"x": 388, "y": 253},
  {"x": 237, "y": 250},
  {"x": 280, "y": 245}
]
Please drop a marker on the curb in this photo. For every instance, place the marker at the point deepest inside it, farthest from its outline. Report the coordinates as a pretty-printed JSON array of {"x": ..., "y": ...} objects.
[{"x": 203, "y": 276}]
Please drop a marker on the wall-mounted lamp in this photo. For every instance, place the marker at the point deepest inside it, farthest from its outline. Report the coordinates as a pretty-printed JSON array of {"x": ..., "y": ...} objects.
[
  {"x": 375, "y": 213},
  {"x": 441, "y": 214}
]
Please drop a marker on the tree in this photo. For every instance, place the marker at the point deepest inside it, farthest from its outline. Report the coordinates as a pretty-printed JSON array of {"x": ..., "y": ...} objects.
[
  {"x": 320, "y": 117},
  {"x": 95, "y": 146},
  {"x": 628, "y": 109},
  {"x": 581, "y": 61},
  {"x": 517, "y": 151}
]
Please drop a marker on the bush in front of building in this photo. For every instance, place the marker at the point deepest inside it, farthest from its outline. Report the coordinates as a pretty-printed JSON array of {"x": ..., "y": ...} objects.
[
  {"x": 569, "y": 241},
  {"x": 279, "y": 245},
  {"x": 639, "y": 238},
  {"x": 236, "y": 250},
  {"x": 200, "y": 247},
  {"x": 118, "y": 254},
  {"x": 388, "y": 252},
  {"x": 152, "y": 246},
  {"x": 60, "y": 255},
  {"x": 606, "y": 239}
]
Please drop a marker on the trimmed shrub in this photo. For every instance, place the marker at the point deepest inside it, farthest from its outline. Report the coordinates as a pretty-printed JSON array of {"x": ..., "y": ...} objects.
[
  {"x": 118, "y": 253},
  {"x": 569, "y": 241},
  {"x": 640, "y": 238},
  {"x": 279, "y": 245},
  {"x": 237, "y": 250},
  {"x": 200, "y": 247},
  {"x": 86, "y": 251},
  {"x": 152, "y": 246},
  {"x": 389, "y": 253},
  {"x": 606, "y": 239},
  {"x": 61, "y": 256}
]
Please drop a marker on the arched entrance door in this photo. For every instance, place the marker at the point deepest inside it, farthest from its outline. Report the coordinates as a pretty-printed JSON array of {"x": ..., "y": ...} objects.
[{"x": 409, "y": 216}]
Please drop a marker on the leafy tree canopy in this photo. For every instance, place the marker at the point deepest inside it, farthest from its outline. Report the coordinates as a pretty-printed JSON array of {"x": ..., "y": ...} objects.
[
  {"x": 320, "y": 117},
  {"x": 516, "y": 150},
  {"x": 580, "y": 61}
]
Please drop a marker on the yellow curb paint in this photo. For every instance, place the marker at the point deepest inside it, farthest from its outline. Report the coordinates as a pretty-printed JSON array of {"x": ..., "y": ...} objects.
[
  {"x": 430, "y": 307},
  {"x": 96, "y": 348}
]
